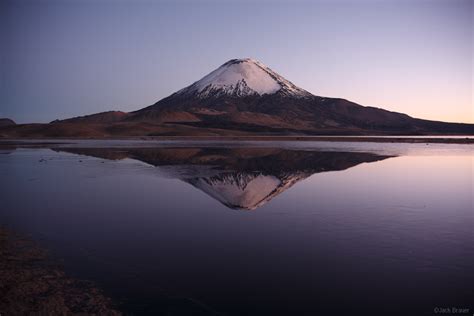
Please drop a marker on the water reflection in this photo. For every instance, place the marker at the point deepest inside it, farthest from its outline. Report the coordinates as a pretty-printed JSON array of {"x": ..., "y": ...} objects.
[
  {"x": 239, "y": 178},
  {"x": 322, "y": 248}
]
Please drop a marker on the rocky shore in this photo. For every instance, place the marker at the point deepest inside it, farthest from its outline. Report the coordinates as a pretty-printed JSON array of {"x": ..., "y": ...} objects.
[{"x": 31, "y": 284}]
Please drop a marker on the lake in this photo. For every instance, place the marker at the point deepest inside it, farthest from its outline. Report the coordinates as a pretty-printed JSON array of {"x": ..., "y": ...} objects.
[{"x": 252, "y": 228}]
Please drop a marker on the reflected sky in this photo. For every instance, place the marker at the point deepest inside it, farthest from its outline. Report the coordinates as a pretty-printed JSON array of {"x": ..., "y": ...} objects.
[{"x": 365, "y": 235}]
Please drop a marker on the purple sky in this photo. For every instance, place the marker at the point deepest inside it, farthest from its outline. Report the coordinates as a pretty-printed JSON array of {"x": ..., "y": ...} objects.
[{"x": 66, "y": 58}]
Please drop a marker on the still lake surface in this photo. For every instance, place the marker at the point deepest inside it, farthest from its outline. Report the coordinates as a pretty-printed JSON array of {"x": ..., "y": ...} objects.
[{"x": 253, "y": 228}]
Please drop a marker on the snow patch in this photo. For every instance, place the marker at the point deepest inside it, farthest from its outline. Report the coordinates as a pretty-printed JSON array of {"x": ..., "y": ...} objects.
[
  {"x": 231, "y": 75},
  {"x": 243, "y": 77}
]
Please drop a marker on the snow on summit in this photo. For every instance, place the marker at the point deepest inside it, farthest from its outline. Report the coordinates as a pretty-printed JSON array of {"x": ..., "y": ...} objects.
[
  {"x": 243, "y": 77},
  {"x": 233, "y": 72}
]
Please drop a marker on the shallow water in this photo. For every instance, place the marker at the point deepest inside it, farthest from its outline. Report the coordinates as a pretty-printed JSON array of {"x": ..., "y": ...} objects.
[{"x": 291, "y": 229}]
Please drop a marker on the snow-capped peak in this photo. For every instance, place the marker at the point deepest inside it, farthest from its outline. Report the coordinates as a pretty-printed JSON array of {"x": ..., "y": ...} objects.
[{"x": 243, "y": 77}]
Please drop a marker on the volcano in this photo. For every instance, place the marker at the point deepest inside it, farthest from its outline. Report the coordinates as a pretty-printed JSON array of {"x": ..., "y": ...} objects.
[{"x": 242, "y": 97}]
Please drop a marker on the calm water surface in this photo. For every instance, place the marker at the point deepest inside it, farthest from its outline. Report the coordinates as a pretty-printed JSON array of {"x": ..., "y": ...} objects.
[{"x": 280, "y": 229}]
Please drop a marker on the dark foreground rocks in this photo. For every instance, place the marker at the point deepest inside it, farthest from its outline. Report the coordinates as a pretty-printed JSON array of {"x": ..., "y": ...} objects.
[{"x": 31, "y": 285}]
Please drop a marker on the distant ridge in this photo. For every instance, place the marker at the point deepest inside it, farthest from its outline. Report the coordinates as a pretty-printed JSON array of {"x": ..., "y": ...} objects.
[
  {"x": 6, "y": 122},
  {"x": 102, "y": 117}
]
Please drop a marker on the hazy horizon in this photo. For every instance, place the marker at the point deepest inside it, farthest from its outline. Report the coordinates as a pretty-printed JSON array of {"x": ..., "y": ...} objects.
[{"x": 63, "y": 59}]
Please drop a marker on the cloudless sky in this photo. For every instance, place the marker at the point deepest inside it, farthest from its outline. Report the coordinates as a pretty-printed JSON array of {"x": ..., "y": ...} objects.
[{"x": 67, "y": 58}]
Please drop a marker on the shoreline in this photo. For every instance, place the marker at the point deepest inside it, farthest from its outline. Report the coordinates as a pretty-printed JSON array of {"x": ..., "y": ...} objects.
[
  {"x": 32, "y": 283},
  {"x": 372, "y": 139}
]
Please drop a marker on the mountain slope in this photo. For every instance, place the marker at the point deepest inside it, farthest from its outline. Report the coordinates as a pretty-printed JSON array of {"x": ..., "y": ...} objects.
[
  {"x": 242, "y": 97},
  {"x": 244, "y": 94},
  {"x": 102, "y": 117}
]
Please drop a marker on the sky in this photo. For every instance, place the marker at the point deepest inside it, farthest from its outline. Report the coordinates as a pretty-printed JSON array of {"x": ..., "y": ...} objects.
[{"x": 67, "y": 58}]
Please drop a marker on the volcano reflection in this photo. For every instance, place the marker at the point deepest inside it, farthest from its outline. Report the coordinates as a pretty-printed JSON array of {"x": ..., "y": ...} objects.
[{"x": 239, "y": 178}]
